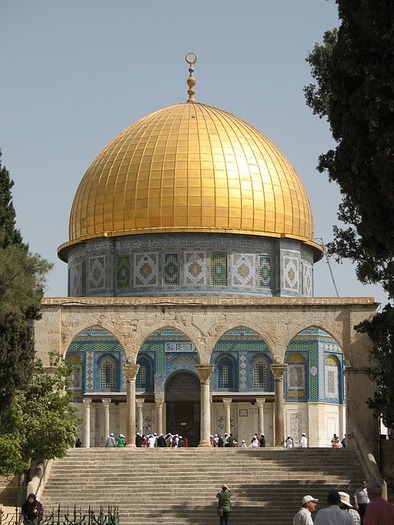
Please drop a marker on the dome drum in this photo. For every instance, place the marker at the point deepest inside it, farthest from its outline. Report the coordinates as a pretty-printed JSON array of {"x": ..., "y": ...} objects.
[
  {"x": 190, "y": 200},
  {"x": 202, "y": 265}
]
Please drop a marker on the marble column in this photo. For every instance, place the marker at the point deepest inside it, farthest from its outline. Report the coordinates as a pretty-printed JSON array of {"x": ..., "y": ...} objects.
[
  {"x": 260, "y": 405},
  {"x": 130, "y": 371},
  {"x": 159, "y": 402},
  {"x": 106, "y": 403},
  {"x": 227, "y": 415},
  {"x": 86, "y": 423},
  {"x": 204, "y": 373},
  {"x": 278, "y": 370},
  {"x": 140, "y": 416}
]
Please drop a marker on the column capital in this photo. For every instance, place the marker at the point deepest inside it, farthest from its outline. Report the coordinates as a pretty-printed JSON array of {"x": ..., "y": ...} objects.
[
  {"x": 106, "y": 401},
  {"x": 227, "y": 401},
  {"x": 278, "y": 369},
  {"x": 204, "y": 372},
  {"x": 87, "y": 400},
  {"x": 140, "y": 402},
  {"x": 131, "y": 371},
  {"x": 260, "y": 402}
]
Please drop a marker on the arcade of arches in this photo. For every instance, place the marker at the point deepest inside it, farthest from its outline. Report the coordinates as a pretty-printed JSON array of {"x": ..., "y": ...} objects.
[{"x": 278, "y": 366}]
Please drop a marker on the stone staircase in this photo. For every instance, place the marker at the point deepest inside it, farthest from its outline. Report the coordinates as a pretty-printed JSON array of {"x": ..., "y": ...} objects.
[{"x": 178, "y": 486}]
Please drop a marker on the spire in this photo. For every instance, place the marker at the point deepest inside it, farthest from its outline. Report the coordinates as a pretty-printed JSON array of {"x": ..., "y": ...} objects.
[{"x": 191, "y": 58}]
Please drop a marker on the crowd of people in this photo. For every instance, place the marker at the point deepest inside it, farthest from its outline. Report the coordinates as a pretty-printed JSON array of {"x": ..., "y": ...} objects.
[
  {"x": 153, "y": 440},
  {"x": 367, "y": 508},
  {"x": 217, "y": 440}
]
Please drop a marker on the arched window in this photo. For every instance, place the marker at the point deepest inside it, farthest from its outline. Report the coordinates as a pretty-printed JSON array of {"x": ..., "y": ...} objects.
[
  {"x": 144, "y": 376},
  {"x": 332, "y": 378},
  {"x": 108, "y": 374},
  {"x": 260, "y": 373},
  {"x": 226, "y": 373}
]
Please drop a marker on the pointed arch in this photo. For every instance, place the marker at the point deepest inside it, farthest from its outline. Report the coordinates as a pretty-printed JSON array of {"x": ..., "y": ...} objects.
[
  {"x": 332, "y": 376},
  {"x": 164, "y": 351},
  {"x": 226, "y": 376},
  {"x": 107, "y": 377},
  {"x": 261, "y": 374},
  {"x": 244, "y": 349},
  {"x": 307, "y": 375},
  {"x": 144, "y": 380},
  {"x": 101, "y": 357}
]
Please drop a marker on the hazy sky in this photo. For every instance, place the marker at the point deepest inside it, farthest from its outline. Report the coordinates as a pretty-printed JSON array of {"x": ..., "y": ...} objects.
[{"x": 74, "y": 73}]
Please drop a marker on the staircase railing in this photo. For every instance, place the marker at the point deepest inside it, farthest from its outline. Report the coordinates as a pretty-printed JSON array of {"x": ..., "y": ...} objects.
[
  {"x": 108, "y": 516},
  {"x": 367, "y": 460}
]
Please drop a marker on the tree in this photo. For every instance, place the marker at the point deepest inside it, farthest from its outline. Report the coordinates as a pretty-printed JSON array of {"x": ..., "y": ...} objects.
[
  {"x": 37, "y": 420},
  {"x": 354, "y": 73},
  {"x": 380, "y": 330},
  {"x": 22, "y": 282},
  {"x": 40, "y": 423}
]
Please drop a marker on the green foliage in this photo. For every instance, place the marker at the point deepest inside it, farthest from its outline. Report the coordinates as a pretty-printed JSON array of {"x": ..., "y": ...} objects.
[
  {"x": 380, "y": 330},
  {"x": 40, "y": 423},
  {"x": 8, "y": 233},
  {"x": 354, "y": 72},
  {"x": 37, "y": 420},
  {"x": 22, "y": 282},
  {"x": 16, "y": 356}
]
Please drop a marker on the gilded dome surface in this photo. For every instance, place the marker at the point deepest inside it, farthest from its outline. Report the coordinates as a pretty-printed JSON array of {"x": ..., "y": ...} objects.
[{"x": 190, "y": 168}]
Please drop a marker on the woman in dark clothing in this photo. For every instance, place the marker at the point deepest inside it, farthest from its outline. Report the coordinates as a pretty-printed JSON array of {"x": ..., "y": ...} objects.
[
  {"x": 32, "y": 510},
  {"x": 224, "y": 505}
]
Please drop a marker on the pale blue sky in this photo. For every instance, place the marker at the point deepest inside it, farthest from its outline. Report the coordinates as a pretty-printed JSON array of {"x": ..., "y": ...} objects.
[{"x": 74, "y": 73}]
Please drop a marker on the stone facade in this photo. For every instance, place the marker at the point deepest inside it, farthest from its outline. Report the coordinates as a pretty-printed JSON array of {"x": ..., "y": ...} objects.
[{"x": 204, "y": 322}]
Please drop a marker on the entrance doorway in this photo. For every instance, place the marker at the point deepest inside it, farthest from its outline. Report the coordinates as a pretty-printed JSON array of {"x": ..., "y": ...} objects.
[{"x": 182, "y": 398}]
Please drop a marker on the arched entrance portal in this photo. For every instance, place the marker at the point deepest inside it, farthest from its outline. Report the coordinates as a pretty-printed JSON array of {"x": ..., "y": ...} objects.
[{"x": 182, "y": 396}]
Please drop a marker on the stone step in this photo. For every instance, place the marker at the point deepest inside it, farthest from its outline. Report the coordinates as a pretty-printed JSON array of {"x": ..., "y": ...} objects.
[{"x": 179, "y": 485}]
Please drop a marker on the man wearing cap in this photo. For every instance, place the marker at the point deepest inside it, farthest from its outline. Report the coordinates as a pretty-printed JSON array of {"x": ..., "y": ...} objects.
[
  {"x": 110, "y": 441},
  {"x": 379, "y": 511},
  {"x": 304, "y": 516},
  {"x": 348, "y": 507},
  {"x": 333, "y": 515}
]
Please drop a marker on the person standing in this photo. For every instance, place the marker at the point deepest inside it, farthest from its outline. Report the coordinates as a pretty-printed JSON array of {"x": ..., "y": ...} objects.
[
  {"x": 255, "y": 443},
  {"x": 361, "y": 499},
  {"x": 333, "y": 515},
  {"x": 110, "y": 441},
  {"x": 262, "y": 440},
  {"x": 304, "y": 515},
  {"x": 224, "y": 504},
  {"x": 379, "y": 511},
  {"x": 289, "y": 442},
  {"x": 161, "y": 441},
  {"x": 121, "y": 442},
  {"x": 335, "y": 441},
  {"x": 32, "y": 510},
  {"x": 348, "y": 507},
  {"x": 303, "y": 441}
]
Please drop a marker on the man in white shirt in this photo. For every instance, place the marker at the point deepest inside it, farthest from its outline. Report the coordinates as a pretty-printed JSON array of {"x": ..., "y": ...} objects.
[
  {"x": 361, "y": 499},
  {"x": 304, "y": 516},
  {"x": 333, "y": 515}
]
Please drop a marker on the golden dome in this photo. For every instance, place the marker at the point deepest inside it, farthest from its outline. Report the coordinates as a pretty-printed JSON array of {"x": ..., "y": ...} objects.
[{"x": 190, "y": 168}]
